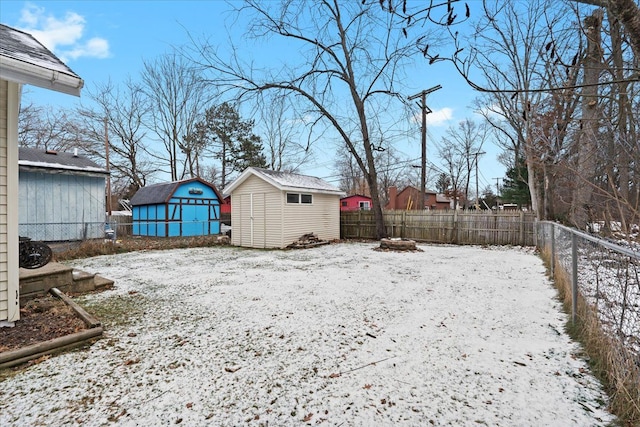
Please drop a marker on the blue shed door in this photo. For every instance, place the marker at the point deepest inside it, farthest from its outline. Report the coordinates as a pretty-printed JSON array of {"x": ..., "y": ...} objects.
[{"x": 195, "y": 220}]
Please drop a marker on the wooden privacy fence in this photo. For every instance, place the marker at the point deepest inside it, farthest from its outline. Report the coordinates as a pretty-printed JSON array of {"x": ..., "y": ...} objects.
[{"x": 458, "y": 227}]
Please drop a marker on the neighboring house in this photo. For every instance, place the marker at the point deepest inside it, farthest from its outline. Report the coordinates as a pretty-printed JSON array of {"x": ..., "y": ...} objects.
[
  {"x": 409, "y": 199},
  {"x": 272, "y": 209},
  {"x": 61, "y": 196},
  {"x": 23, "y": 60},
  {"x": 225, "y": 207},
  {"x": 356, "y": 202},
  {"x": 179, "y": 208}
]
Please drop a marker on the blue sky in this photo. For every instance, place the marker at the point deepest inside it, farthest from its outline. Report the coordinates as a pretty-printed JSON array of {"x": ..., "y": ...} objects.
[{"x": 103, "y": 40}]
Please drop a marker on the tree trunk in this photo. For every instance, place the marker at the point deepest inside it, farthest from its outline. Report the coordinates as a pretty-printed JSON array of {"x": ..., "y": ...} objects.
[{"x": 586, "y": 162}]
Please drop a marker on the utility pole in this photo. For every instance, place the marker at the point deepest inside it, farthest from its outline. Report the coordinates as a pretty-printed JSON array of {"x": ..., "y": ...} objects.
[
  {"x": 477, "y": 192},
  {"x": 106, "y": 148},
  {"x": 425, "y": 110}
]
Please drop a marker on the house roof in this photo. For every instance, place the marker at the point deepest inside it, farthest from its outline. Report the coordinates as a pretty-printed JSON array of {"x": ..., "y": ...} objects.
[
  {"x": 33, "y": 158},
  {"x": 286, "y": 181},
  {"x": 412, "y": 188},
  {"x": 23, "y": 59},
  {"x": 355, "y": 195},
  {"x": 161, "y": 193}
]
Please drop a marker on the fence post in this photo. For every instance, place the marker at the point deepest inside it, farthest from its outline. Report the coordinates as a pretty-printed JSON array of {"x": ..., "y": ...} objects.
[
  {"x": 552, "y": 261},
  {"x": 455, "y": 227},
  {"x": 359, "y": 223},
  {"x": 574, "y": 276},
  {"x": 521, "y": 230},
  {"x": 403, "y": 224}
]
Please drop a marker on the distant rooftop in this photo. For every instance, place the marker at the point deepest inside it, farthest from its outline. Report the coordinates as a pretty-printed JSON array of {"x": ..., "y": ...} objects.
[{"x": 34, "y": 158}]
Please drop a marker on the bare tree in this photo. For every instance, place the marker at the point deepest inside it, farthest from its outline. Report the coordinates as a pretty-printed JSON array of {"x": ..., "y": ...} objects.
[
  {"x": 177, "y": 95},
  {"x": 285, "y": 149},
  {"x": 513, "y": 49},
  {"x": 581, "y": 209},
  {"x": 460, "y": 149},
  {"x": 46, "y": 128},
  {"x": 123, "y": 110},
  {"x": 627, "y": 12},
  {"x": 353, "y": 55}
]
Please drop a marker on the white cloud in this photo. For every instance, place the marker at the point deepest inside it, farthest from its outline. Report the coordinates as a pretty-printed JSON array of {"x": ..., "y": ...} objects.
[
  {"x": 440, "y": 117},
  {"x": 62, "y": 36},
  {"x": 95, "y": 47}
]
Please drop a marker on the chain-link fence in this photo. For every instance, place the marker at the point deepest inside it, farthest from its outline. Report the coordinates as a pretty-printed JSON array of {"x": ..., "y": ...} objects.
[
  {"x": 62, "y": 231},
  {"x": 600, "y": 280},
  {"x": 118, "y": 226}
]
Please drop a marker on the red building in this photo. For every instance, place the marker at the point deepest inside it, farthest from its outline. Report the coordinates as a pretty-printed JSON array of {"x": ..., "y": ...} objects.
[
  {"x": 225, "y": 206},
  {"x": 356, "y": 202},
  {"x": 409, "y": 199}
]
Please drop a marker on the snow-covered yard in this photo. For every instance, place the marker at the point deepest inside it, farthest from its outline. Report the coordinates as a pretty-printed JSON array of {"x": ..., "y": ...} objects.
[{"x": 336, "y": 335}]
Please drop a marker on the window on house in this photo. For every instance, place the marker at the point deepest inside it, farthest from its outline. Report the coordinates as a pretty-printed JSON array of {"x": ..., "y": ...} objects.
[
  {"x": 306, "y": 198},
  {"x": 364, "y": 206},
  {"x": 344, "y": 203},
  {"x": 293, "y": 198}
]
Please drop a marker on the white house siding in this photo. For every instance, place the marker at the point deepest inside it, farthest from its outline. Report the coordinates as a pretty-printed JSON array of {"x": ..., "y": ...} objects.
[
  {"x": 61, "y": 206},
  {"x": 9, "y": 304},
  {"x": 321, "y": 217}
]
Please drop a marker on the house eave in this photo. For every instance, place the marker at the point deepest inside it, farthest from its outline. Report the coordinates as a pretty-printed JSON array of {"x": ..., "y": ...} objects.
[
  {"x": 27, "y": 166},
  {"x": 22, "y": 72}
]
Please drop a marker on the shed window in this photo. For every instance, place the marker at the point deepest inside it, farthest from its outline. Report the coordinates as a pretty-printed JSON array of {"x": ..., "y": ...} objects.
[{"x": 297, "y": 198}]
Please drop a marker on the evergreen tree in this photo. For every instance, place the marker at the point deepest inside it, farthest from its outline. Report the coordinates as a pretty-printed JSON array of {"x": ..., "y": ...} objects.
[{"x": 515, "y": 188}]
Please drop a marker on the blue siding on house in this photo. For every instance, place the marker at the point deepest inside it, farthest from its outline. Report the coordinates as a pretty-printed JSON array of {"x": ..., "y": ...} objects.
[
  {"x": 61, "y": 206},
  {"x": 192, "y": 209}
]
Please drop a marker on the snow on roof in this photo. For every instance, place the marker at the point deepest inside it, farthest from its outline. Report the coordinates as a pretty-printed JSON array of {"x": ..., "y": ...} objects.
[
  {"x": 286, "y": 181},
  {"x": 152, "y": 194},
  {"x": 31, "y": 157},
  {"x": 24, "y": 59},
  {"x": 161, "y": 193}
]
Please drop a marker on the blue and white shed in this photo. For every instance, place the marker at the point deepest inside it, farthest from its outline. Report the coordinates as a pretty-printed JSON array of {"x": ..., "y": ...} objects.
[
  {"x": 179, "y": 208},
  {"x": 61, "y": 196}
]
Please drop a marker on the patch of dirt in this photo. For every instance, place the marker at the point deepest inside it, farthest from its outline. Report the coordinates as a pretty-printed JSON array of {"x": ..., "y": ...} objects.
[{"x": 41, "y": 319}]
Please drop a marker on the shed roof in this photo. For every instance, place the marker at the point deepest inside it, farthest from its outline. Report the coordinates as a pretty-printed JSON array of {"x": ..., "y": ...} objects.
[
  {"x": 161, "y": 193},
  {"x": 23, "y": 59},
  {"x": 286, "y": 181},
  {"x": 33, "y": 158}
]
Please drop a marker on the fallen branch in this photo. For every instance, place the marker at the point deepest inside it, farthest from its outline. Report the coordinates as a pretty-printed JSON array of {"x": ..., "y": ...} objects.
[{"x": 360, "y": 367}]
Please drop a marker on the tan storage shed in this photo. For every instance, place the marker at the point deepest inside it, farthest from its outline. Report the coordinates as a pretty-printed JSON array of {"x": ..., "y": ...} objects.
[{"x": 272, "y": 209}]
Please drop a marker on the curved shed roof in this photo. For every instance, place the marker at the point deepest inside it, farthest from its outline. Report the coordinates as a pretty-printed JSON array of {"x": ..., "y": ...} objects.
[{"x": 162, "y": 193}]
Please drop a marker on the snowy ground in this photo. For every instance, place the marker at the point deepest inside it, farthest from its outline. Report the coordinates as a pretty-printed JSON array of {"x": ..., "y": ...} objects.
[{"x": 339, "y": 335}]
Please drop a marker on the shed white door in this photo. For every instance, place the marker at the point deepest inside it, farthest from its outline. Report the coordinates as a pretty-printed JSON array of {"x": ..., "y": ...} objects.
[{"x": 253, "y": 226}]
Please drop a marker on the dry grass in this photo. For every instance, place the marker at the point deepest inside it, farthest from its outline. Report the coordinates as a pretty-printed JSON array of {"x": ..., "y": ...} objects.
[
  {"x": 97, "y": 247},
  {"x": 610, "y": 361}
]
